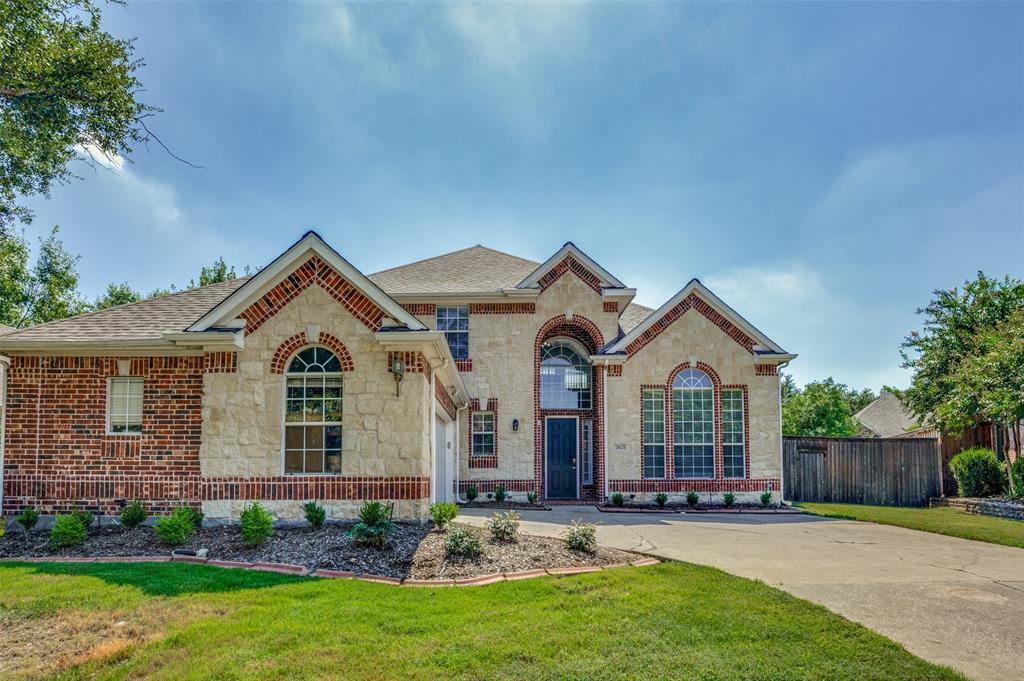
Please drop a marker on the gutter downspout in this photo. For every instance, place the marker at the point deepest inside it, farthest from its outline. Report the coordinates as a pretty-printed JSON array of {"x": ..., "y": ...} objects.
[
  {"x": 458, "y": 462},
  {"x": 782, "y": 463},
  {"x": 433, "y": 427},
  {"x": 5, "y": 365},
  {"x": 604, "y": 426}
]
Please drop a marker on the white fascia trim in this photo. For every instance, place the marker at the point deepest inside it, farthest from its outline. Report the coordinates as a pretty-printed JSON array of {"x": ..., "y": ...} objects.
[
  {"x": 532, "y": 281},
  {"x": 104, "y": 348},
  {"x": 618, "y": 293},
  {"x": 268, "y": 277},
  {"x": 434, "y": 345},
  {"x": 711, "y": 299},
  {"x": 779, "y": 357},
  {"x": 497, "y": 296},
  {"x": 207, "y": 339}
]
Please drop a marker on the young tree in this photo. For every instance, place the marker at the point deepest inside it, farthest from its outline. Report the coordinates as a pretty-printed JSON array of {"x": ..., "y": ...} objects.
[
  {"x": 47, "y": 291},
  {"x": 214, "y": 274},
  {"x": 117, "y": 294}
]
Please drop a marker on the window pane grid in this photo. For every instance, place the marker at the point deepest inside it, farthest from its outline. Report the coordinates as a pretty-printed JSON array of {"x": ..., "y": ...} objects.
[
  {"x": 124, "y": 404},
  {"x": 654, "y": 432},
  {"x": 483, "y": 433},
  {"x": 454, "y": 322},
  {"x": 732, "y": 433},
  {"x": 313, "y": 413},
  {"x": 564, "y": 378},
  {"x": 693, "y": 420}
]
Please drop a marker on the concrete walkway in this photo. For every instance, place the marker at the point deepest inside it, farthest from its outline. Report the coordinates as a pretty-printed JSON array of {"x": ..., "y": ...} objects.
[{"x": 950, "y": 601}]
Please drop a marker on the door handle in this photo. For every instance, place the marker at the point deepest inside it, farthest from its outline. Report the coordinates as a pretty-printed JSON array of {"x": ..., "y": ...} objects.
[{"x": 574, "y": 463}]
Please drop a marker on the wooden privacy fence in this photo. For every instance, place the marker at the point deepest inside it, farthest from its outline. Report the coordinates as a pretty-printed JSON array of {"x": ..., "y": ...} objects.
[{"x": 857, "y": 470}]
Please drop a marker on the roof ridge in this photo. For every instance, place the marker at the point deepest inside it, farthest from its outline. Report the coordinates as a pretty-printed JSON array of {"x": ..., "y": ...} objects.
[{"x": 443, "y": 255}]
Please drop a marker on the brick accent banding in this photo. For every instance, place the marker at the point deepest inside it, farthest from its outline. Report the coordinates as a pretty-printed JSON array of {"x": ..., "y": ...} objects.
[
  {"x": 615, "y": 370},
  {"x": 570, "y": 264},
  {"x": 766, "y": 370},
  {"x": 478, "y": 460},
  {"x": 421, "y": 309},
  {"x": 464, "y": 365},
  {"x": 611, "y": 306},
  {"x": 220, "y": 363},
  {"x": 293, "y": 344},
  {"x": 695, "y": 302},
  {"x": 326, "y": 487},
  {"x": 313, "y": 271},
  {"x": 415, "y": 362},
  {"x": 687, "y": 485},
  {"x": 485, "y": 486},
  {"x": 502, "y": 308},
  {"x": 444, "y": 398}
]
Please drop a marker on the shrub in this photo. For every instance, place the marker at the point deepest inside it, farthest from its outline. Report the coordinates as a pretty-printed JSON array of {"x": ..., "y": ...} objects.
[
  {"x": 472, "y": 493},
  {"x": 692, "y": 498},
  {"x": 28, "y": 518},
  {"x": 581, "y": 536},
  {"x": 531, "y": 496},
  {"x": 618, "y": 499},
  {"x": 503, "y": 526},
  {"x": 315, "y": 514},
  {"x": 500, "y": 494},
  {"x": 67, "y": 531},
  {"x": 661, "y": 499},
  {"x": 766, "y": 497},
  {"x": 134, "y": 514},
  {"x": 728, "y": 499},
  {"x": 84, "y": 517},
  {"x": 174, "y": 529},
  {"x": 257, "y": 525},
  {"x": 1018, "y": 475},
  {"x": 463, "y": 541},
  {"x": 977, "y": 473},
  {"x": 443, "y": 513},
  {"x": 374, "y": 527}
]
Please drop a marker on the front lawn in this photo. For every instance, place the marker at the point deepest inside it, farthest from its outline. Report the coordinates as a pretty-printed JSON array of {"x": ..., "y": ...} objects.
[
  {"x": 941, "y": 520},
  {"x": 174, "y": 621}
]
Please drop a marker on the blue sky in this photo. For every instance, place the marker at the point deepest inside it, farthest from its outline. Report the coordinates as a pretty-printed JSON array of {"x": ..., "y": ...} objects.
[{"x": 822, "y": 167}]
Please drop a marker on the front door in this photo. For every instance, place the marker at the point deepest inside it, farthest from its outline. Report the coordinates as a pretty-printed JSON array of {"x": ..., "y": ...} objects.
[{"x": 561, "y": 458}]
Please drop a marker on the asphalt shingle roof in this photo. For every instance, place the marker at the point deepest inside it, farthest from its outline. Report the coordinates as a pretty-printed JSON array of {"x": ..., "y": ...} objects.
[
  {"x": 471, "y": 270},
  {"x": 887, "y": 416}
]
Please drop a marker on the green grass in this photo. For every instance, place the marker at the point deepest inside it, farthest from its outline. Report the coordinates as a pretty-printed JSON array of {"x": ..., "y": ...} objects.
[
  {"x": 669, "y": 621},
  {"x": 941, "y": 520}
]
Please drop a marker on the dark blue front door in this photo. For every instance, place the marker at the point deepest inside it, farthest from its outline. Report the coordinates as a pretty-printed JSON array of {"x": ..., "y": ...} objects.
[{"x": 561, "y": 458}]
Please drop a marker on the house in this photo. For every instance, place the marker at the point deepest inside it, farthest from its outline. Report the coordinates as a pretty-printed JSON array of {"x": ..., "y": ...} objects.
[
  {"x": 887, "y": 417},
  {"x": 312, "y": 380}
]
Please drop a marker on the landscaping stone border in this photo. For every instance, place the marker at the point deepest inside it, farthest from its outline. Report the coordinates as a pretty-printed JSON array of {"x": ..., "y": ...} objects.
[
  {"x": 300, "y": 571},
  {"x": 997, "y": 508}
]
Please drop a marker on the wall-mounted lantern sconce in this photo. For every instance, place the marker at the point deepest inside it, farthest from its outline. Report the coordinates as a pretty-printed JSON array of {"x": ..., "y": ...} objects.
[
  {"x": 515, "y": 425},
  {"x": 398, "y": 369}
]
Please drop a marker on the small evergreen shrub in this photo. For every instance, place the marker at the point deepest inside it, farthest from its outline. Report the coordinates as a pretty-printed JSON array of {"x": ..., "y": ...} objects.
[
  {"x": 978, "y": 473},
  {"x": 504, "y": 526},
  {"x": 133, "y": 514},
  {"x": 581, "y": 536},
  {"x": 463, "y": 541},
  {"x": 257, "y": 525},
  {"x": 67, "y": 531},
  {"x": 728, "y": 499},
  {"x": 28, "y": 518},
  {"x": 374, "y": 527},
  {"x": 82, "y": 516},
  {"x": 193, "y": 515},
  {"x": 766, "y": 497},
  {"x": 174, "y": 529},
  {"x": 692, "y": 498},
  {"x": 1018, "y": 475},
  {"x": 531, "y": 496},
  {"x": 618, "y": 499},
  {"x": 315, "y": 514},
  {"x": 443, "y": 513},
  {"x": 472, "y": 493},
  {"x": 500, "y": 494},
  {"x": 661, "y": 499}
]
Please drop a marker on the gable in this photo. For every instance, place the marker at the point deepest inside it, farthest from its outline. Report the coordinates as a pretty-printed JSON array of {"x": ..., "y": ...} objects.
[
  {"x": 695, "y": 303},
  {"x": 571, "y": 260}
]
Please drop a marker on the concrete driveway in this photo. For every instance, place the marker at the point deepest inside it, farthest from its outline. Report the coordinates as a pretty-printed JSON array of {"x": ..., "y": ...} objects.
[{"x": 951, "y": 601}]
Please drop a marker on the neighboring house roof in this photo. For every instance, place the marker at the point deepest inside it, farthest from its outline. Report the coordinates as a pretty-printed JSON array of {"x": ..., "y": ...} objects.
[
  {"x": 472, "y": 270},
  {"x": 887, "y": 417},
  {"x": 6, "y": 329}
]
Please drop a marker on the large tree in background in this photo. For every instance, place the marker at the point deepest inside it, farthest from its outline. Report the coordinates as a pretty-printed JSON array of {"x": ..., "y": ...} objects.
[
  {"x": 821, "y": 408},
  {"x": 42, "y": 293},
  {"x": 67, "y": 89}
]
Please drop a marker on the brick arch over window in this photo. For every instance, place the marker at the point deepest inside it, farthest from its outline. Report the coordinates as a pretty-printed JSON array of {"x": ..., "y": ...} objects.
[
  {"x": 670, "y": 396},
  {"x": 299, "y": 340},
  {"x": 585, "y": 332}
]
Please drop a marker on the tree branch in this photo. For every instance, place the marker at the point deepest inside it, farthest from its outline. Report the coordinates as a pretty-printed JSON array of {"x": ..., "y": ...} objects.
[
  {"x": 14, "y": 93},
  {"x": 149, "y": 133}
]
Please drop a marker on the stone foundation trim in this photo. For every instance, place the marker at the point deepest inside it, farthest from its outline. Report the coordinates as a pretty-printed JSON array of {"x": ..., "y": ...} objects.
[
  {"x": 683, "y": 485},
  {"x": 320, "y": 487},
  {"x": 485, "y": 486},
  {"x": 292, "y": 345}
]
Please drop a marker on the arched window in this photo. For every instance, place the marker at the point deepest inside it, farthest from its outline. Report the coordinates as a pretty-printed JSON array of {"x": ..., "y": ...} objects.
[
  {"x": 693, "y": 421},
  {"x": 564, "y": 376},
  {"x": 312, "y": 413}
]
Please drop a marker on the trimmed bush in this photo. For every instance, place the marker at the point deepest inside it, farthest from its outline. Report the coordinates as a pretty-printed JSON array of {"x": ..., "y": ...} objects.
[
  {"x": 978, "y": 473},
  {"x": 315, "y": 514},
  {"x": 531, "y": 496},
  {"x": 84, "y": 517},
  {"x": 766, "y": 497},
  {"x": 581, "y": 536},
  {"x": 728, "y": 499},
  {"x": 28, "y": 518},
  {"x": 174, "y": 529},
  {"x": 67, "y": 531},
  {"x": 692, "y": 498},
  {"x": 443, "y": 513},
  {"x": 257, "y": 525},
  {"x": 661, "y": 499},
  {"x": 504, "y": 526},
  {"x": 463, "y": 541},
  {"x": 500, "y": 494},
  {"x": 472, "y": 493},
  {"x": 618, "y": 499},
  {"x": 374, "y": 527},
  {"x": 134, "y": 514}
]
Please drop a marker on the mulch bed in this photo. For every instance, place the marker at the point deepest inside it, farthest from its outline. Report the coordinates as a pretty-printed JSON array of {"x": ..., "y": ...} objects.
[{"x": 416, "y": 550}]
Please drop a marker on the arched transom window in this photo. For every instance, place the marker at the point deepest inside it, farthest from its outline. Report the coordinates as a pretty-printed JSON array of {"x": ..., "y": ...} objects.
[
  {"x": 693, "y": 421},
  {"x": 312, "y": 431},
  {"x": 564, "y": 377}
]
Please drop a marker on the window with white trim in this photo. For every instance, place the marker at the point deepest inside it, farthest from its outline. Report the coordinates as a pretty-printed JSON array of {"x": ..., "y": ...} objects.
[
  {"x": 654, "y": 432},
  {"x": 732, "y": 433},
  {"x": 124, "y": 404},
  {"x": 587, "y": 452},
  {"x": 454, "y": 322},
  {"x": 693, "y": 421},
  {"x": 313, "y": 413},
  {"x": 483, "y": 433}
]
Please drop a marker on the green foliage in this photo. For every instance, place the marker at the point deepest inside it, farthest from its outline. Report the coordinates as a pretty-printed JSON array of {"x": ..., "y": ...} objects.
[
  {"x": 174, "y": 529},
  {"x": 531, "y": 497},
  {"x": 133, "y": 514},
  {"x": 117, "y": 294},
  {"x": 1017, "y": 475},
  {"x": 500, "y": 494},
  {"x": 67, "y": 90},
  {"x": 581, "y": 536},
  {"x": 443, "y": 513},
  {"x": 28, "y": 518},
  {"x": 67, "y": 531},
  {"x": 977, "y": 473},
  {"x": 216, "y": 273},
  {"x": 257, "y": 525},
  {"x": 618, "y": 499},
  {"x": 85, "y": 518},
  {"x": 315, "y": 514},
  {"x": 692, "y": 498},
  {"x": 822, "y": 409},
  {"x": 374, "y": 527},
  {"x": 472, "y": 493},
  {"x": 728, "y": 499},
  {"x": 661, "y": 499},
  {"x": 192, "y": 515},
  {"x": 504, "y": 526},
  {"x": 463, "y": 541},
  {"x": 43, "y": 293},
  {"x": 766, "y": 497}
]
